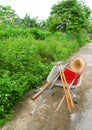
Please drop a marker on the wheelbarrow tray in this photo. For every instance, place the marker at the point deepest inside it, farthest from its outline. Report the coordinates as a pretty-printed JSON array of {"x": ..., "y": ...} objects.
[{"x": 54, "y": 71}]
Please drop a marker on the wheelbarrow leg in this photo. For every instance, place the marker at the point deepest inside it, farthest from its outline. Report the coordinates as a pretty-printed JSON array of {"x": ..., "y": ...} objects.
[{"x": 73, "y": 92}]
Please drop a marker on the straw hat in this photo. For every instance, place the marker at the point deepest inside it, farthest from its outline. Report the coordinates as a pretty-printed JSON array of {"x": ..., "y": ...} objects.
[{"x": 78, "y": 65}]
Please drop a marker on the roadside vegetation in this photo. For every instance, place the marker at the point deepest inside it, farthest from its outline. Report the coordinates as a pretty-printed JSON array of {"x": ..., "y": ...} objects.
[{"x": 29, "y": 47}]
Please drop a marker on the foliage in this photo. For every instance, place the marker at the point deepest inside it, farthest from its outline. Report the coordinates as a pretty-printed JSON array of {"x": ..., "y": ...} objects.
[
  {"x": 8, "y": 18},
  {"x": 28, "y": 22},
  {"x": 7, "y": 15},
  {"x": 17, "y": 32},
  {"x": 39, "y": 34},
  {"x": 69, "y": 16},
  {"x": 89, "y": 30}
]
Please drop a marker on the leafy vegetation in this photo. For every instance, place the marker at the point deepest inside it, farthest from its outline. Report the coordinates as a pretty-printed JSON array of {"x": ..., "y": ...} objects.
[
  {"x": 69, "y": 16},
  {"x": 28, "y": 48}
]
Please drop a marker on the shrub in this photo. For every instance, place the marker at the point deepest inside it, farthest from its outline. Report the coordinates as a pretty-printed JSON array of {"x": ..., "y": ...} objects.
[{"x": 39, "y": 34}]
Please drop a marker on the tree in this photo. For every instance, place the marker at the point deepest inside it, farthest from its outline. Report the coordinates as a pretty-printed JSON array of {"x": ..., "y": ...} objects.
[
  {"x": 28, "y": 22},
  {"x": 69, "y": 16},
  {"x": 7, "y": 15}
]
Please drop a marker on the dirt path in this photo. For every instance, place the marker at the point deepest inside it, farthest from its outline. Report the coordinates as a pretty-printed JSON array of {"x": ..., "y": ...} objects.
[{"x": 46, "y": 119}]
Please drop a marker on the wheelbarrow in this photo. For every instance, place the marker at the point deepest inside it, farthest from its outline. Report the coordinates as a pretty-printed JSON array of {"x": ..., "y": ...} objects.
[
  {"x": 52, "y": 81},
  {"x": 70, "y": 75}
]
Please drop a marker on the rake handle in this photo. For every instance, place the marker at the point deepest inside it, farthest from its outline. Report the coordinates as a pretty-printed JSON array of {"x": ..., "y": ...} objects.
[
  {"x": 45, "y": 94},
  {"x": 63, "y": 84},
  {"x": 71, "y": 99},
  {"x": 63, "y": 98},
  {"x": 43, "y": 89}
]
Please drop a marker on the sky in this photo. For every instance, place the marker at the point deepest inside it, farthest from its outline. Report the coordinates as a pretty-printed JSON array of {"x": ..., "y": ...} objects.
[{"x": 35, "y": 8}]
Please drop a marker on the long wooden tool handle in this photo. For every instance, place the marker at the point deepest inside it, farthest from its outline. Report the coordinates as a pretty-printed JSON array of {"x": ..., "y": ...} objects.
[
  {"x": 63, "y": 98},
  {"x": 60, "y": 103},
  {"x": 43, "y": 88},
  {"x": 71, "y": 99},
  {"x": 45, "y": 94},
  {"x": 66, "y": 95}
]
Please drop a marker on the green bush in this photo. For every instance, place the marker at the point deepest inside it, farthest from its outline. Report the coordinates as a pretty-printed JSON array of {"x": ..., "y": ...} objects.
[
  {"x": 38, "y": 34},
  {"x": 8, "y": 94},
  {"x": 16, "y": 32},
  {"x": 26, "y": 62}
]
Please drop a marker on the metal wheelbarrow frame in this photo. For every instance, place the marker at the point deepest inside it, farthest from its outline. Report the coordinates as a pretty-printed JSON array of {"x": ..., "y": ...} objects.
[
  {"x": 57, "y": 82},
  {"x": 73, "y": 88}
]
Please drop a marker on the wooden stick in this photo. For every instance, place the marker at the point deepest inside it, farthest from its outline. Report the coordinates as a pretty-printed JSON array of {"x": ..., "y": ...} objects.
[
  {"x": 70, "y": 97},
  {"x": 44, "y": 95},
  {"x": 63, "y": 98},
  {"x": 60, "y": 103},
  {"x": 63, "y": 84},
  {"x": 43, "y": 88}
]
